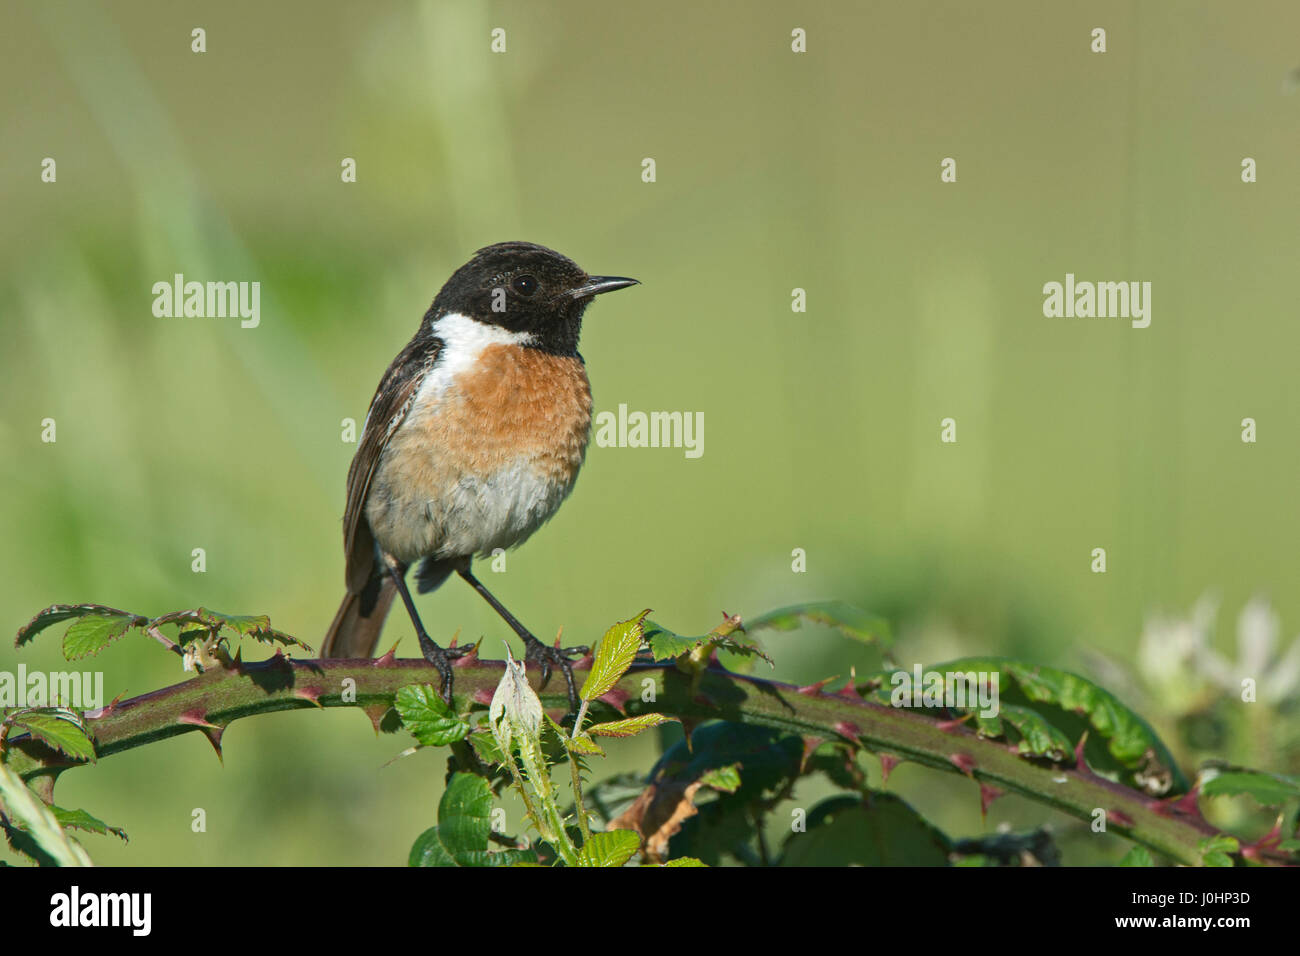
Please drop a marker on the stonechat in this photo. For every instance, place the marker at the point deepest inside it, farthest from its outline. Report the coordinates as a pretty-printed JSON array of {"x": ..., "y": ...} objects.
[{"x": 473, "y": 439}]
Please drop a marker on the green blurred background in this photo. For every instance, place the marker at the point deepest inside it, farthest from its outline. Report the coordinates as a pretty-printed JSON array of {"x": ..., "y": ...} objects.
[{"x": 775, "y": 171}]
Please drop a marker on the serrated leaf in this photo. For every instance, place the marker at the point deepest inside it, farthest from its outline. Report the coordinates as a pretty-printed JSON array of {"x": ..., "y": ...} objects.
[
  {"x": 1268, "y": 789},
  {"x": 89, "y": 635},
  {"x": 1125, "y": 744},
  {"x": 486, "y": 747},
  {"x": 81, "y": 820},
  {"x": 203, "y": 622},
  {"x": 426, "y": 715},
  {"x": 730, "y": 644},
  {"x": 62, "y": 730},
  {"x": 1037, "y": 737},
  {"x": 630, "y": 726},
  {"x": 846, "y": 618},
  {"x": 1137, "y": 856},
  {"x": 611, "y": 848},
  {"x": 664, "y": 644},
  {"x": 583, "y": 744},
  {"x": 56, "y": 613},
  {"x": 614, "y": 656},
  {"x": 685, "y": 861}
]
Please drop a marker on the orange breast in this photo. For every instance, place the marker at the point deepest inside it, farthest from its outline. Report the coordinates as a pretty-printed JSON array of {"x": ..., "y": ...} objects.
[
  {"x": 485, "y": 462},
  {"x": 517, "y": 402}
]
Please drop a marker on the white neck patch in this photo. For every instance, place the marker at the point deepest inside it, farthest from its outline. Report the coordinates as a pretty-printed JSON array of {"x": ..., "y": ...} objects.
[{"x": 463, "y": 341}]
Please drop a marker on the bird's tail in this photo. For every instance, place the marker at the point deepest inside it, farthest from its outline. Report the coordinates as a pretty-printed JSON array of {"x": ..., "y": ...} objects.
[{"x": 354, "y": 634}]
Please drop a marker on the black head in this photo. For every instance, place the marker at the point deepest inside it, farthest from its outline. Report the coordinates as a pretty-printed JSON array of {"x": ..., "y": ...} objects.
[{"x": 525, "y": 288}]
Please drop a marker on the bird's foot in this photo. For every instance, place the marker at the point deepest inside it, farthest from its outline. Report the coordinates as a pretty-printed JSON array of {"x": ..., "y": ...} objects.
[
  {"x": 548, "y": 657},
  {"x": 441, "y": 658}
]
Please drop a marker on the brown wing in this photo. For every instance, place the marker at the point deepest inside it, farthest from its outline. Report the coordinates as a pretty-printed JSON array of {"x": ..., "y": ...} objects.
[{"x": 388, "y": 408}]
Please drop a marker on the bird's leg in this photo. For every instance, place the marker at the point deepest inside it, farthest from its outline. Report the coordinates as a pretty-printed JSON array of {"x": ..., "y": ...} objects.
[
  {"x": 439, "y": 657},
  {"x": 535, "y": 652}
]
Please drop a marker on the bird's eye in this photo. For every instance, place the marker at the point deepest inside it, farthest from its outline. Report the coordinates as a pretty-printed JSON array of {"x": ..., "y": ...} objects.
[{"x": 524, "y": 285}]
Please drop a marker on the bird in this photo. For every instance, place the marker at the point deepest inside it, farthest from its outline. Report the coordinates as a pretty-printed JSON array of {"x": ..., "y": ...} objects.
[{"x": 473, "y": 439}]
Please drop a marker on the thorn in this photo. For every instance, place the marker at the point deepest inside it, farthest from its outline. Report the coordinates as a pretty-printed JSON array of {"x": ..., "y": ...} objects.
[
  {"x": 848, "y": 729},
  {"x": 104, "y": 711},
  {"x": 810, "y": 745},
  {"x": 469, "y": 658},
  {"x": 312, "y": 694},
  {"x": 1120, "y": 818},
  {"x": 688, "y": 729},
  {"x": 214, "y": 737},
  {"x": 455, "y": 638},
  {"x": 1187, "y": 803},
  {"x": 196, "y": 717},
  {"x": 850, "y": 690},
  {"x": 988, "y": 793},
  {"x": 388, "y": 658},
  {"x": 1079, "y": 763},
  {"x": 951, "y": 725},
  {"x": 887, "y": 764},
  {"x": 238, "y": 663},
  {"x": 376, "y": 713},
  {"x": 558, "y": 634},
  {"x": 812, "y": 690},
  {"x": 964, "y": 762}
]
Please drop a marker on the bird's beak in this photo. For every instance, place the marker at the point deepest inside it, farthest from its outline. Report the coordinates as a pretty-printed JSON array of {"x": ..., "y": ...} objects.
[{"x": 595, "y": 285}]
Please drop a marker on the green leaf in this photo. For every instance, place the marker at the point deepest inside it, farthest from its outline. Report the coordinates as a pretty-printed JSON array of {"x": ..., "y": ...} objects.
[
  {"x": 427, "y": 850},
  {"x": 203, "y": 622},
  {"x": 846, "y": 618},
  {"x": 81, "y": 820},
  {"x": 614, "y": 656},
  {"x": 1137, "y": 856},
  {"x": 56, "y": 613},
  {"x": 465, "y": 815},
  {"x": 684, "y": 861},
  {"x": 724, "y": 779},
  {"x": 464, "y": 828},
  {"x": 1268, "y": 789},
  {"x": 664, "y": 644},
  {"x": 1215, "y": 849},
  {"x": 583, "y": 744},
  {"x": 728, "y": 638},
  {"x": 89, "y": 635},
  {"x": 611, "y": 848},
  {"x": 628, "y": 727},
  {"x": 61, "y": 729},
  {"x": 1121, "y": 743},
  {"x": 426, "y": 715},
  {"x": 486, "y": 747},
  {"x": 1037, "y": 737},
  {"x": 882, "y": 831}
]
